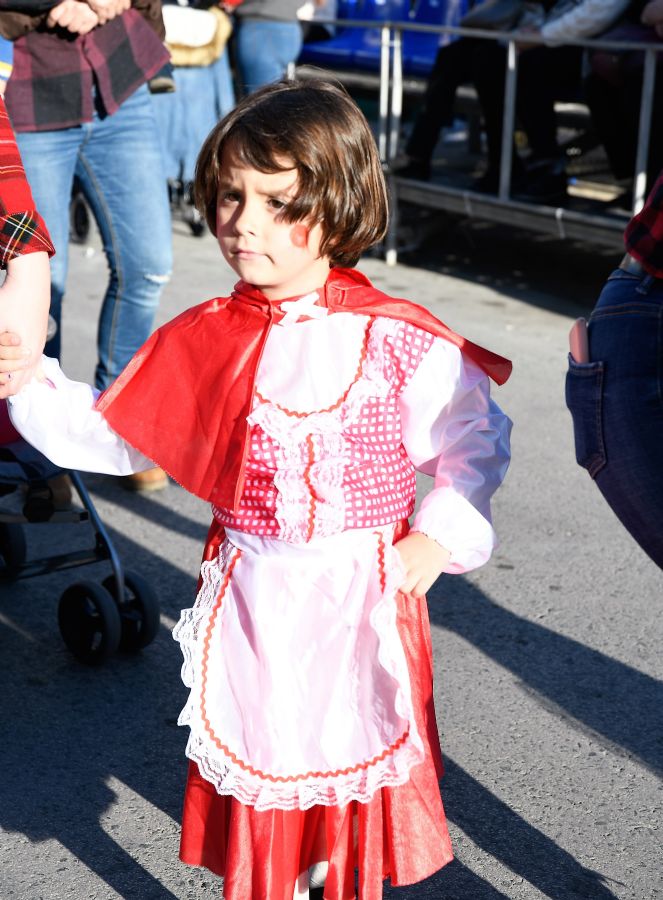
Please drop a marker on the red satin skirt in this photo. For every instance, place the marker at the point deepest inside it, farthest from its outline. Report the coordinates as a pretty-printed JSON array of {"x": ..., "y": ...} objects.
[{"x": 401, "y": 834}]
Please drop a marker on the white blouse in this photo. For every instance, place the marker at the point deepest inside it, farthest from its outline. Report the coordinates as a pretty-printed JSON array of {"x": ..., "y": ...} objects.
[{"x": 451, "y": 429}]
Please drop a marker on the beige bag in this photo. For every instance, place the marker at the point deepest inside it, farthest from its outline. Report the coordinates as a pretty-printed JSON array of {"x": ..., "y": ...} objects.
[{"x": 195, "y": 37}]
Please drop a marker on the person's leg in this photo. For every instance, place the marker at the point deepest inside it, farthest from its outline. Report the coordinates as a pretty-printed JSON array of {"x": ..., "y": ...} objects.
[
  {"x": 453, "y": 67},
  {"x": 167, "y": 111},
  {"x": 121, "y": 172},
  {"x": 194, "y": 115},
  {"x": 632, "y": 97},
  {"x": 224, "y": 91},
  {"x": 613, "y": 97},
  {"x": 605, "y": 106},
  {"x": 264, "y": 51},
  {"x": 488, "y": 72},
  {"x": 545, "y": 75},
  {"x": 617, "y": 406},
  {"x": 49, "y": 158}
]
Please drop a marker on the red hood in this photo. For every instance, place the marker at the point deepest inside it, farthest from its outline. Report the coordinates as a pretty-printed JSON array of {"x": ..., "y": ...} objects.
[{"x": 184, "y": 398}]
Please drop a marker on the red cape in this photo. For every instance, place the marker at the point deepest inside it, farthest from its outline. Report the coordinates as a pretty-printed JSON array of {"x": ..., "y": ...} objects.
[{"x": 184, "y": 398}]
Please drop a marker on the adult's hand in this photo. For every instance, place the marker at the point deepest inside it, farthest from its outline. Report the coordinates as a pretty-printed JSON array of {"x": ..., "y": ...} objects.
[
  {"x": 652, "y": 14},
  {"x": 524, "y": 35},
  {"x": 108, "y": 9},
  {"x": 74, "y": 16},
  {"x": 24, "y": 301}
]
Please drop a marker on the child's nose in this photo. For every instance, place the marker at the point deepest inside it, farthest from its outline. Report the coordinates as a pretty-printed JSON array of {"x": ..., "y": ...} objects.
[{"x": 246, "y": 220}]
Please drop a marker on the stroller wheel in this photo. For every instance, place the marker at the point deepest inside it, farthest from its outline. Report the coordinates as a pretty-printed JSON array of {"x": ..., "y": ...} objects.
[
  {"x": 139, "y": 611},
  {"x": 12, "y": 546},
  {"x": 89, "y": 622}
]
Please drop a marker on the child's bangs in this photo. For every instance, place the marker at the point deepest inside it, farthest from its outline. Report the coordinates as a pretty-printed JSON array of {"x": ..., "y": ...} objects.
[{"x": 256, "y": 149}]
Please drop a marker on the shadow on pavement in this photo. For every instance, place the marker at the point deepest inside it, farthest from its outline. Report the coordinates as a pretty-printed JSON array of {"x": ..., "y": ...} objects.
[
  {"x": 553, "y": 274},
  {"x": 507, "y": 837},
  {"x": 166, "y": 514},
  {"x": 602, "y": 694},
  {"x": 71, "y": 734}
]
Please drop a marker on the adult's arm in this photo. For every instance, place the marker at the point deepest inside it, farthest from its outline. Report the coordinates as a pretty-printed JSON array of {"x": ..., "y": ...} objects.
[
  {"x": 583, "y": 20},
  {"x": 25, "y": 246},
  {"x": 27, "y": 6}
]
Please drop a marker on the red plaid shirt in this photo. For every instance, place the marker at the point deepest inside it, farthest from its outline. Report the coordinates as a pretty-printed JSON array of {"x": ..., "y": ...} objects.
[
  {"x": 644, "y": 233},
  {"x": 21, "y": 227},
  {"x": 51, "y": 85}
]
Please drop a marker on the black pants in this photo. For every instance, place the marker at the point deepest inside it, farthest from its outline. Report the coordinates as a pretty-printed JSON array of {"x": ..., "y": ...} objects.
[
  {"x": 615, "y": 109},
  {"x": 544, "y": 76},
  {"x": 452, "y": 67}
]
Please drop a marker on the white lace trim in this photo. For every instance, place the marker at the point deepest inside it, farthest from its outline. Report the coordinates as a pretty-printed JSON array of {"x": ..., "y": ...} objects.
[
  {"x": 326, "y": 474},
  {"x": 232, "y": 779}
]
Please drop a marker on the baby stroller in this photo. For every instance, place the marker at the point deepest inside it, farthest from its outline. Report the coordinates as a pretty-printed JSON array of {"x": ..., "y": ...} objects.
[{"x": 94, "y": 619}]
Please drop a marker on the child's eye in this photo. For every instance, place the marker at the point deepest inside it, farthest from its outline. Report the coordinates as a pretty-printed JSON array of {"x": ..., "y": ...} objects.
[
  {"x": 276, "y": 204},
  {"x": 230, "y": 196}
]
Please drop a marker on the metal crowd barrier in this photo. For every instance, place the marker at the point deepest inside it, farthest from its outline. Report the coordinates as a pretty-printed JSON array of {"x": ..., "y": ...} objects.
[{"x": 559, "y": 221}]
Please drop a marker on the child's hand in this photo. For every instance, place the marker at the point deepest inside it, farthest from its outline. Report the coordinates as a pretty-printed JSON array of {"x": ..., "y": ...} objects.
[
  {"x": 15, "y": 360},
  {"x": 424, "y": 560}
]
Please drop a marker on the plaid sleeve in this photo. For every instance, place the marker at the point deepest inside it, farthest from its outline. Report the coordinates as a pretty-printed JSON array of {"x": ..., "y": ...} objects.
[
  {"x": 22, "y": 229},
  {"x": 644, "y": 233}
]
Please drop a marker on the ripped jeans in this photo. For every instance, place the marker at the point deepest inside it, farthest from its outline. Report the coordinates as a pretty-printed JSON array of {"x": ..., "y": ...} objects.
[
  {"x": 616, "y": 401},
  {"x": 119, "y": 163}
]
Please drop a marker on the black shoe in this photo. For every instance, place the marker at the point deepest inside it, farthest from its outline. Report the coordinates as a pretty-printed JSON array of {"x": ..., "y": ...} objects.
[
  {"x": 413, "y": 168},
  {"x": 488, "y": 183},
  {"x": 544, "y": 182},
  {"x": 316, "y": 893}
]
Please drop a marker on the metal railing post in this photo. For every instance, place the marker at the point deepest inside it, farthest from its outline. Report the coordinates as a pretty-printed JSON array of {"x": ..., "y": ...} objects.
[
  {"x": 644, "y": 130},
  {"x": 508, "y": 120},
  {"x": 396, "y": 111},
  {"x": 385, "y": 60}
]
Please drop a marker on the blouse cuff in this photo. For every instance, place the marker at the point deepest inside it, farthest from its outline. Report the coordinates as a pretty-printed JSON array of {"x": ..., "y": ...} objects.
[
  {"x": 21, "y": 233},
  {"x": 452, "y": 521},
  {"x": 57, "y": 417}
]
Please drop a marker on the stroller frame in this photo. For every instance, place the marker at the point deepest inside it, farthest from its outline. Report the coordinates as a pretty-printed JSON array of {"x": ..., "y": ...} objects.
[{"x": 94, "y": 619}]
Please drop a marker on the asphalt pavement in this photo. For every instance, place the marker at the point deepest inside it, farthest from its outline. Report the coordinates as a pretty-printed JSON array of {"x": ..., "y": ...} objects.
[{"x": 548, "y": 665}]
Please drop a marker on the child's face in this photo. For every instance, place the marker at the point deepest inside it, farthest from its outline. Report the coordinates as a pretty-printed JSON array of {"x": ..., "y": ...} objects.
[{"x": 281, "y": 258}]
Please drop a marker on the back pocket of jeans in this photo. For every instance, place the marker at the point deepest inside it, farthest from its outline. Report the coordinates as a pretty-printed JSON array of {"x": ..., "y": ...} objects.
[{"x": 584, "y": 398}]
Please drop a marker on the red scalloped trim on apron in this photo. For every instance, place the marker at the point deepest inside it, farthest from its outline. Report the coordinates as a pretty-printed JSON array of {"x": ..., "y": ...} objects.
[{"x": 275, "y": 779}]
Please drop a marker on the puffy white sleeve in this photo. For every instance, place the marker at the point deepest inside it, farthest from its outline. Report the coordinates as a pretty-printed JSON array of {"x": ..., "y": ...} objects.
[
  {"x": 59, "y": 419},
  {"x": 582, "y": 20},
  {"x": 454, "y": 432}
]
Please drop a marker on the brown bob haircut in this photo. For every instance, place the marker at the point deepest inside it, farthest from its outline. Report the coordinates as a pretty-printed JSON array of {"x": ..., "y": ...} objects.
[{"x": 320, "y": 129}]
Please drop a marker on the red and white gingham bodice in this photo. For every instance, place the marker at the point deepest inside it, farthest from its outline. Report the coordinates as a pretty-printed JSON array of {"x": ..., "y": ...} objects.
[{"x": 318, "y": 471}]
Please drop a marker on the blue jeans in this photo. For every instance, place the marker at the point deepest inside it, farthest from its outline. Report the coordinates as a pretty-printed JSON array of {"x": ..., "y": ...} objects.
[
  {"x": 616, "y": 402},
  {"x": 264, "y": 50},
  {"x": 119, "y": 163},
  {"x": 204, "y": 94}
]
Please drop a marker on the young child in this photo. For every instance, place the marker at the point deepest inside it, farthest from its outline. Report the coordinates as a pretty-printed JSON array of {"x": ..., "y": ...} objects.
[{"x": 300, "y": 407}]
